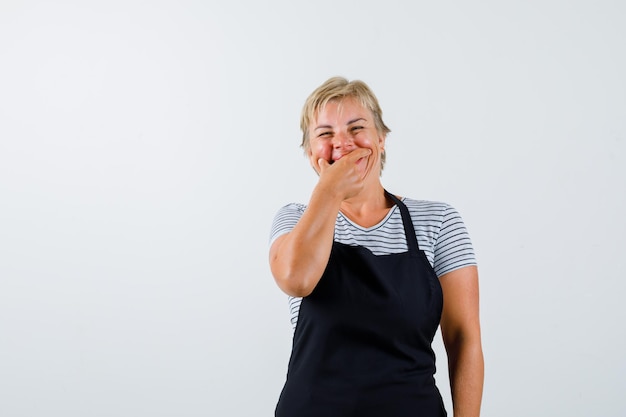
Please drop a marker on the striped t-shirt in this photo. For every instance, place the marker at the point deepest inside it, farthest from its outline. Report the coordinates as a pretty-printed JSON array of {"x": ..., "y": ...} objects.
[{"x": 440, "y": 232}]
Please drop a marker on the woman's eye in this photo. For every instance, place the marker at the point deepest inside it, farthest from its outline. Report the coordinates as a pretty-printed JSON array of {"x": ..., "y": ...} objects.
[
  {"x": 356, "y": 128},
  {"x": 324, "y": 134}
]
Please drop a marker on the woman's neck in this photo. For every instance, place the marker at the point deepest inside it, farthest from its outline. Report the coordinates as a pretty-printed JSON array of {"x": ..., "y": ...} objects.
[{"x": 367, "y": 208}]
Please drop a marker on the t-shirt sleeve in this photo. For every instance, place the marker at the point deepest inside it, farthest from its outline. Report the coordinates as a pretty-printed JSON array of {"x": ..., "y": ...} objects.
[
  {"x": 285, "y": 220},
  {"x": 453, "y": 247}
]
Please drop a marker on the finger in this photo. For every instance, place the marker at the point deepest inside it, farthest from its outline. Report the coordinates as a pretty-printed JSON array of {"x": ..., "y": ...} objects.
[
  {"x": 323, "y": 164},
  {"x": 358, "y": 153}
]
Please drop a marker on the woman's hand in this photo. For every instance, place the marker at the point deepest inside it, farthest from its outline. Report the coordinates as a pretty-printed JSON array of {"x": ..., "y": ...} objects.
[{"x": 345, "y": 177}]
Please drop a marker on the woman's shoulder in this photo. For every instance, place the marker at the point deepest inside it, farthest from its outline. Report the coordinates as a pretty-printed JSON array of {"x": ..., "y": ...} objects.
[
  {"x": 291, "y": 210},
  {"x": 298, "y": 207},
  {"x": 442, "y": 234},
  {"x": 426, "y": 207},
  {"x": 433, "y": 213},
  {"x": 285, "y": 219}
]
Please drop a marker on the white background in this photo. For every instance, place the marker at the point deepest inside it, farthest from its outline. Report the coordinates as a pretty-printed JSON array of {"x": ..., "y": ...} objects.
[{"x": 145, "y": 147}]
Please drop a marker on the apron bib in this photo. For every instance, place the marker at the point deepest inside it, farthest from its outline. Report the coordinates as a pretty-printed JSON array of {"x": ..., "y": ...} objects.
[{"x": 362, "y": 344}]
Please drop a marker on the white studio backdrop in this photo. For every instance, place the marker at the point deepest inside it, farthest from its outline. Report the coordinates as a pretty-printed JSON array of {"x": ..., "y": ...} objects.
[{"x": 146, "y": 146}]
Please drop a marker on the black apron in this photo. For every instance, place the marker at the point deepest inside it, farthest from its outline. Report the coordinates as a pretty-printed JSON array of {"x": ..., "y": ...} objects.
[{"x": 362, "y": 345}]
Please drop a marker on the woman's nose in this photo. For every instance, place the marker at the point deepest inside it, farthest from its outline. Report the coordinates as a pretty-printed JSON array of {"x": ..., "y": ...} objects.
[{"x": 342, "y": 140}]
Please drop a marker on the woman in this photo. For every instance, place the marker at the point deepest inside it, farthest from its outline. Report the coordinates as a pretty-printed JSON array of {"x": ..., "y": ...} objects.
[{"x": 367, "y": 273}]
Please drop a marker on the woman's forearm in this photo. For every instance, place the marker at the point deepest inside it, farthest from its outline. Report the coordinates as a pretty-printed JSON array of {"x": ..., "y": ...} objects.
[{"x": 466, "y": 370}]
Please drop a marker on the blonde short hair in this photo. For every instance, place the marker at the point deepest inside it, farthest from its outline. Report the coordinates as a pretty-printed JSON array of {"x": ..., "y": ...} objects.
[{"x": 339, "y": 88}]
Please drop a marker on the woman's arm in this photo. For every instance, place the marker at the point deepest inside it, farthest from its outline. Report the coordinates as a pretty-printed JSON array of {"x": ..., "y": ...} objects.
[
  {"x": 460, "y": 328},
  {"x": 298, "y": 258}
]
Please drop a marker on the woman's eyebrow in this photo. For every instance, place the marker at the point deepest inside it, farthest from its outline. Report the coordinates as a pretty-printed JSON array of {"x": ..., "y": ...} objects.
[
  {"x": 356, "y": 120},
  {"x": 348, "y": 123}
]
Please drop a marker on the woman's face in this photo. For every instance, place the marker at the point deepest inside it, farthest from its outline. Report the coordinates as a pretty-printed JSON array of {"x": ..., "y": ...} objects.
[{"x": 341, "y": 127}]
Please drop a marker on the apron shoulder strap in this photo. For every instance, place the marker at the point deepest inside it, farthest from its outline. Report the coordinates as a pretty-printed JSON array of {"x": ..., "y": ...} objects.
[{"x": 409, "y": 229}]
